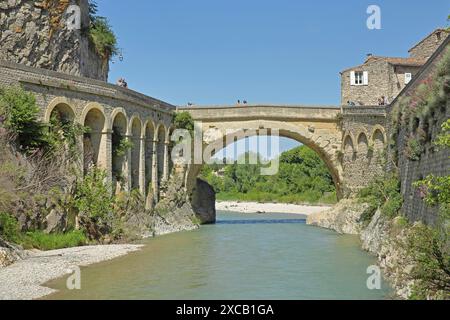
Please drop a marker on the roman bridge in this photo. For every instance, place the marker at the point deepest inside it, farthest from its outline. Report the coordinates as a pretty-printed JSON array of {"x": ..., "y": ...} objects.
[{"x": 349, "y": 140}]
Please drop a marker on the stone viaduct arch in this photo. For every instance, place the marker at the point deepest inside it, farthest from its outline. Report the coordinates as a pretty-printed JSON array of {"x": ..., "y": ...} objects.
[
  {"x": 316, "y": 128},
  {"x": 143, "y": 167}
]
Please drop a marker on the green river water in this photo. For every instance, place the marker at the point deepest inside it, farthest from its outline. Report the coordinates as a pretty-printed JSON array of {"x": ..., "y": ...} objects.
[{"x": 243, "y": 256}]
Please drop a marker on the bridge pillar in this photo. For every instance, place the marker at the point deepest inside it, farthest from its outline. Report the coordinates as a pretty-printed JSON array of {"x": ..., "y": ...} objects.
[
  {"x": 108, "y": 156},
  {"x": 155, "y": 170},
  {"x": 142, "y": 175},
  {"x": 166, "y": 161},
  {"x": 127, "y": 167}
]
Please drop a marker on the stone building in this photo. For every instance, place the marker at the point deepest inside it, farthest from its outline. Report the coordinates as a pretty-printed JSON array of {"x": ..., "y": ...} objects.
[
  {"x": 38, "y": 34},
  {"x": 386, "y": 77}
]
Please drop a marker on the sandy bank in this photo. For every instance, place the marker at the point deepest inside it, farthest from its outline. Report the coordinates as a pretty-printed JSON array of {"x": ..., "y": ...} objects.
[
  {"x": 253, "y": 207},
  {"x": 23, "y": 280}
]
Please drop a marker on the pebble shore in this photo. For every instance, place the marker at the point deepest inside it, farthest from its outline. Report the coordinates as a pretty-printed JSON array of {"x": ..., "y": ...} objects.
[
  {"x": 253, "y": 207},
  {"x": 25, "y": 279}
]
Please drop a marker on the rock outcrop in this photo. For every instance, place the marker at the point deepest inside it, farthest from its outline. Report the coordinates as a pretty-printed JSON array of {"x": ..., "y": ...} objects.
[
  {"x": 344, "y": 217},
  {"x": 36, "y": 33},
  {"x": 174, "y": 212},
  {"x": 204, "y": 202},
  {"x": 10, "y": 253}
]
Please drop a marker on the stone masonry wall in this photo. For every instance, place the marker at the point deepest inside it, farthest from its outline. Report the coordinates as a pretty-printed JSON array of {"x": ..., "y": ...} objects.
[
  {"x": 428, "y": 46},
  {"x": 431, "y": 162},
  {"x": 384, "y": 80},
  {"x": 34, "y": 35},
  {"x": 379, "y": 73},
  {"x": 364, "y": 143},
  {"x": 397, "y": 79}
]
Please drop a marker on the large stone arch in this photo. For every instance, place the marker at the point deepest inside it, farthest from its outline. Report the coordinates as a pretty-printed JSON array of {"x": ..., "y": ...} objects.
[
  {"x": 62, "y": 105},
  {"x": 135, "y": 135},
  {"x": 95, "y": 140},
  {"x": 325, "y": 145}
]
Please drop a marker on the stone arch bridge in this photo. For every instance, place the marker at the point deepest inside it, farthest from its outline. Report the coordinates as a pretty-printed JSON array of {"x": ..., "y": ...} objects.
[
  {"x": 349, "y": 140},
  {"x": 349, "y": 144}
]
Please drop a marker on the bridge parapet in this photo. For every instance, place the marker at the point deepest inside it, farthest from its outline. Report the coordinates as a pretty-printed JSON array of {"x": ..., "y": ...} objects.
[
  {"x": 275, "y": 112},
  {"x": 365, "y": 110}
]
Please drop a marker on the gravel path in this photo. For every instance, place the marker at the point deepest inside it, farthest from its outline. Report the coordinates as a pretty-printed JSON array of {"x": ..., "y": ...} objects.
[
  {"x": 253, "y": 207},
  {"x": 23, "y": 280}
]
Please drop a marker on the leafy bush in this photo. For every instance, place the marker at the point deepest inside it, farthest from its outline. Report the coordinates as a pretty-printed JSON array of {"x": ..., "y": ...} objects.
[
  {"x": 184, "y": 120},
  {"x": 382, "y": 193},
  {"x": 120, "y": 144},
  {"x": 103, "y": 37},
  {"x": 429, "y": 250},
  {"x": 20, "y": 113},
  {"x": 93, "y": 198},
  {"x": 9, "y": 228},
  {"x": 64, "y": 133},
  {"x": 414, "y": 149},
  {"x": 443, "y": 140}
]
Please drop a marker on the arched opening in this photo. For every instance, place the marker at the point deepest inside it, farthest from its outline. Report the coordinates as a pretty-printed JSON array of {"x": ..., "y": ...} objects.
[
  {"x": 119, "y": 151},
  {"x": 149, "y": 138},
  {"x": 349, "y": 150},
  {"x": 94, "y": 143},
  {"x": 61, "y": 125},
  {"x": 378, "y": 141},
  {"x": 135, "y": 152},
  {"x": 161, "y": 136},
  {"x": 62, "y": 113},
  {"x": 301, "y": 172},
  {"x": 363, "y": 144}
]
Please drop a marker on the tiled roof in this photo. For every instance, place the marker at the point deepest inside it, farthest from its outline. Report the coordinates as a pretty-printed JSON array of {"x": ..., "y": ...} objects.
[
  {"x": 401, "y": 61},
  {"x": 413, "y": 62}
]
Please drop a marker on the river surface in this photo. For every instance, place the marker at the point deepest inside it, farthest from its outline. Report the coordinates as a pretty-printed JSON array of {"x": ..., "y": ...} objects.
[{"x": 243, "y": 256}]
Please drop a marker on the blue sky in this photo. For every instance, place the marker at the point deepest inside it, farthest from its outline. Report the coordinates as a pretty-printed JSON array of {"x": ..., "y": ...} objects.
[{"x": 265, "y": 51}]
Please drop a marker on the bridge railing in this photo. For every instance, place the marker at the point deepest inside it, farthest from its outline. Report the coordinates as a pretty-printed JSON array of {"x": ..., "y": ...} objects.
[{"x": 365, "y": 110}]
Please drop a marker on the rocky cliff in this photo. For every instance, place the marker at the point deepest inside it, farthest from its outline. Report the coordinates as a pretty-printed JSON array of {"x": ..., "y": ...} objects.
[{"x": 36, "y": 33}]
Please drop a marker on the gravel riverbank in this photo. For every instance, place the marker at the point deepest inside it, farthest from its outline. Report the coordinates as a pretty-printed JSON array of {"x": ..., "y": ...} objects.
[
  {"x": 253, "y": 207},
  {"x": 24, "y": 279}
]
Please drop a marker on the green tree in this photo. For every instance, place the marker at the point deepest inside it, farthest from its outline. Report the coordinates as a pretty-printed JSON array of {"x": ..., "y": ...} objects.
[{"x": 20, "y": 117}]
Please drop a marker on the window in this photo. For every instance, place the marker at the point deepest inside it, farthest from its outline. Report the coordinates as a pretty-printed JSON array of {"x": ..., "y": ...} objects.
[
  {"x": 359, "y": 78},
  {"x": 408, "y": 78}
]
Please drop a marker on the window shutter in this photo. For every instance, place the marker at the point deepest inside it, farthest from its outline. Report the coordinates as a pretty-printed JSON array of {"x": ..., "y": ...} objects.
[
  {"x": 408, "y": 78},
  {"x": 352, "y": 78},
  {"x": 365, "y": 78}
]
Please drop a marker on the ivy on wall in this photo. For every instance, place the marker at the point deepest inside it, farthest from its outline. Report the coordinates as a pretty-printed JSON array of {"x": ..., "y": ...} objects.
[{"x": 416, "y": 112}]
